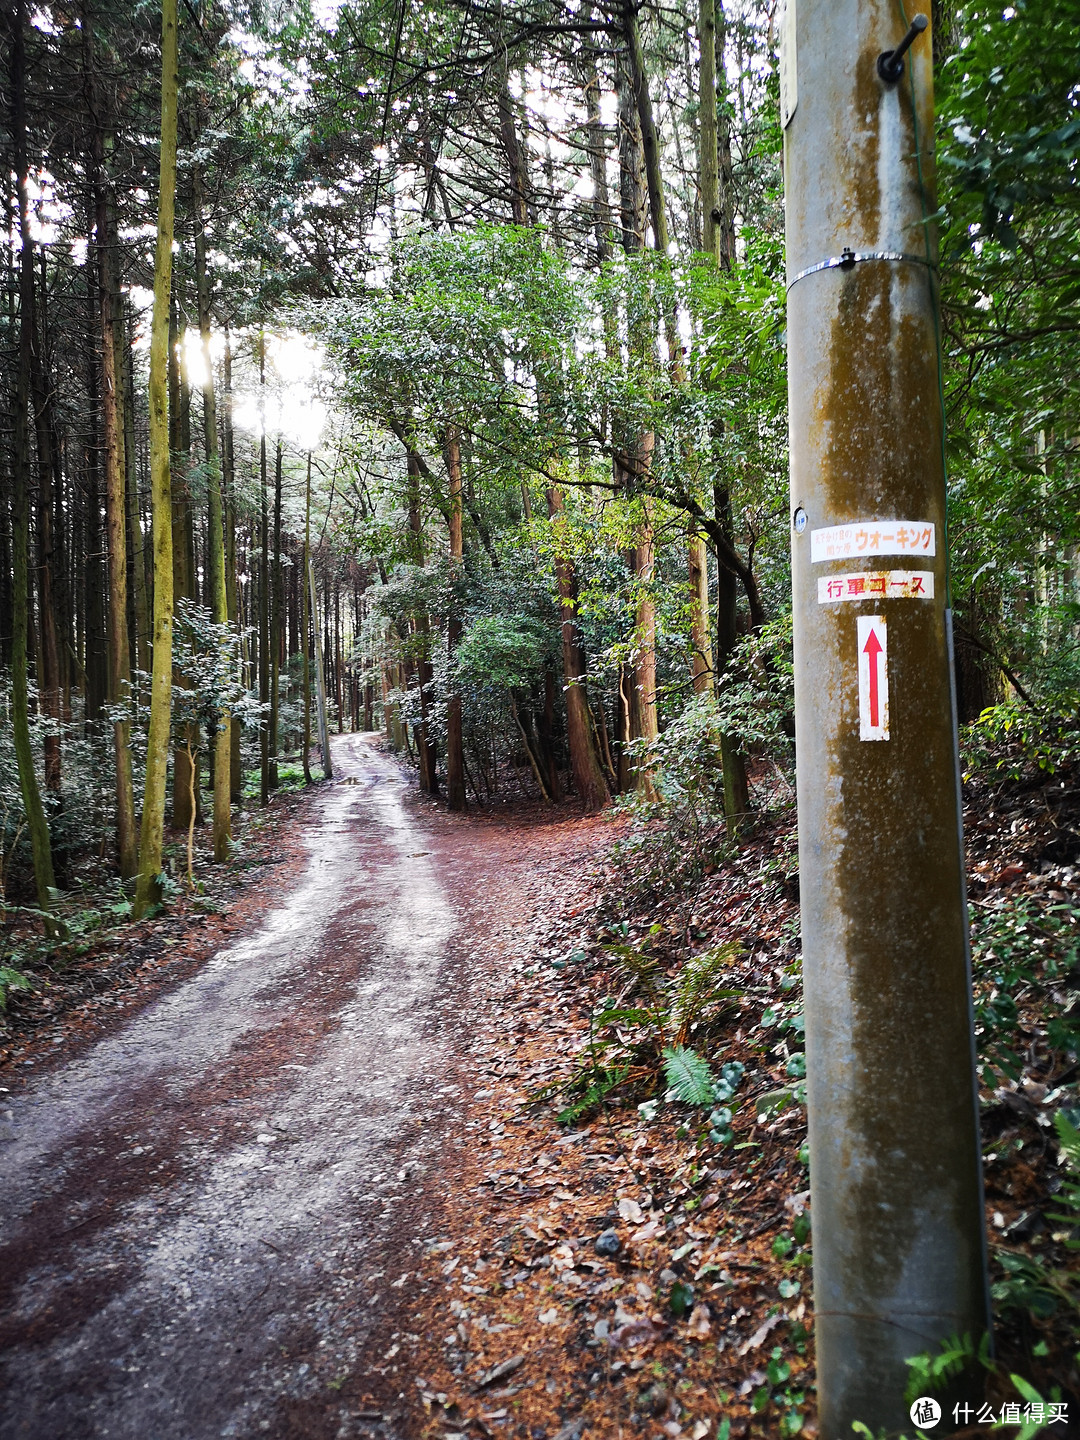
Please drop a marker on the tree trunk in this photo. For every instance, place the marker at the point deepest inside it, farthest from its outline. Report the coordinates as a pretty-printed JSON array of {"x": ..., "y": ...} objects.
[
  {"x": 275, "y": 624},
  {"x": 339, "y": 667},
  {"x": 633, "y": 197},
  {"x": 138, "y": 597},
  {"x": 215, "y": 535},
  {"x": 736, "y": 788},
  {"x": 597, "y": 162},
  {"x": 455, "y": 751},
  {"x": 41, "y": 848},
  {"x": 589, "y": 781},
  {"x": 115, "y": 476},
  {"x": 93, "y": 577},
  {"x": 228, "y": 474},
  {"x": 320, "y": 692},
  {"x": 650, "y": 140},
  {"x": 530, "y": 753},
  {"x": 48, "y": 654},
  {"x": 725, "y": 170},
  {"x": 425, "y": 744},
  {"x": 643, "y": 716},
  {"x": 708, "y": 149},
  {"x": 305, "y": 626},
  {"x": 701, "y": 647},
  {"x": 185, "y": 744},
  {"x": 153, "y": 816},
  {"x": 701, "y": 656},
  {"x": 631, "y": 466},
  {"x": 547, "y": 726},
  {"x": 264, "y": 592},
  {"x": 515, "y": 157}
]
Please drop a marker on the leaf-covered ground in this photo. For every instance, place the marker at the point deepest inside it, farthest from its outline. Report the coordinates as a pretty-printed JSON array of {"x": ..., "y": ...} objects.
[{"x": 633, "y": 1268}]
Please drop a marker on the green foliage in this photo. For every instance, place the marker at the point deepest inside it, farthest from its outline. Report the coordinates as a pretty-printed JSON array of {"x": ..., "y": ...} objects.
[
  {"x": 1008, "y": 109},
  {"x": 627, "y": 1043},
  {"x": 929, "y": 1373},
  {"x": 207, "y": 656},
  {"x": 756, "y": 694},
  {"x": 589, "y": 1090},
  {"x": 11, "y": 980},
  {"x": 1007, "y": 146},
  {"x": 638, "y": 961},
  {"x": 689, "y": 1076},
  {"x": 1009, "y": 739},
  {"x": 1019, "y": 951},
  {"x": 782, "y": 1400},
  {"x": 506, "y": 651},
  {"x": 1029, "y": 1429},
  {"x": 80, "y": 817},
  {"x": 700, "y": 985},
  {"x": 690, "y": 1080},
  {"x": 1029, "y": 1282},
  {"x": 1069, "y": 1216}
]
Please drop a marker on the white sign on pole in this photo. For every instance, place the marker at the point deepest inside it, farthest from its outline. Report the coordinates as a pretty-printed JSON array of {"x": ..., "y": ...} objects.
[
  {"x": 876, "y": 585},
  {"x": 873, "y": 677},
  {"x": 873, "y": 537}
]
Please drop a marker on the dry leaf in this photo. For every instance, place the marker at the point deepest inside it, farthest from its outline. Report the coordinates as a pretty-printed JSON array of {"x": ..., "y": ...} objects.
[
  {"x": 636, "y": 1332},
  {"x": 760, "y": 1334}
]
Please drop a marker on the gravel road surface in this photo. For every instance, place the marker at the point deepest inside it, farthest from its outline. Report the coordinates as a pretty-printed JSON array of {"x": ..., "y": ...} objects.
[{"x": 209, "y": 1217}]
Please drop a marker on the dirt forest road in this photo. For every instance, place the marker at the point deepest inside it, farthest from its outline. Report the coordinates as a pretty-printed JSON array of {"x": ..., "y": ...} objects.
[{"x": 208, "y": 1215}]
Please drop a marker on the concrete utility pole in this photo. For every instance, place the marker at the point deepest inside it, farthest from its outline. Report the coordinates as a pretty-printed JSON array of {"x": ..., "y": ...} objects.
[{"x": 899, "y": 1241}]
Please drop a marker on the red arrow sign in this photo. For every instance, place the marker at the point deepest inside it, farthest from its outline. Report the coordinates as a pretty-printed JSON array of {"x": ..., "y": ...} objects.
[
  {"x": 873, "y": 666},
  {"x": 872, "y": 650}
]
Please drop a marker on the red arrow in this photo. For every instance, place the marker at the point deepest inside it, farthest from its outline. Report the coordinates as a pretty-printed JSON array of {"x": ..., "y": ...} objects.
[{"x": 872, "y": 649}]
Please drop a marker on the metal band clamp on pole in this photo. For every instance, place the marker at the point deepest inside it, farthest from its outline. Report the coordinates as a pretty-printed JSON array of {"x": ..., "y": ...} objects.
[{"x": 847, "y": 258}]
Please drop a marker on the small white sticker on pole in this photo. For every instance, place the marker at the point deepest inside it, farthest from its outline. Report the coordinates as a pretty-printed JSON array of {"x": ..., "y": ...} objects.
[{"x": 873, "y": 677}]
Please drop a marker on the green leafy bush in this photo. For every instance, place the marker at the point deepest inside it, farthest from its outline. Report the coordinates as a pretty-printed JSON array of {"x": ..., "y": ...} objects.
[
  {"x": 1008, "y": 739},
  {"x": 1019, "y": 951}
]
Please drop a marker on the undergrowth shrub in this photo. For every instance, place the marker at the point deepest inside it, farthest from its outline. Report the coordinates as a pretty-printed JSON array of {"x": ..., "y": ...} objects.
[
  {"x": 81, "y": 816},
  {"x": 1010, "y": 739},
  {"x": 756, "y": 693},
  {"x": 678, "y": 839},
  {"x": 681, "y": 837},
  {"x": 1023, "y": 954},
  {"x": 648, "y": 1030}
]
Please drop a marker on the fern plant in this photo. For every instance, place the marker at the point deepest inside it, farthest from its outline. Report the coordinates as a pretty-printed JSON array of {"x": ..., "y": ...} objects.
[
  {"x": 1069, "y": 1195},
  {"x": 11, "y": 980},
  {"x": 689, "y": 1076},
  {"x": 1029, "y": 1283},
  {"x": 636, "y": 961},
  {"x": 699, "y": 986},
  {"x": 692, "y": 1081},
  {"x": 929, "y": 1373},
  {"x": 649, "y": 1022}
]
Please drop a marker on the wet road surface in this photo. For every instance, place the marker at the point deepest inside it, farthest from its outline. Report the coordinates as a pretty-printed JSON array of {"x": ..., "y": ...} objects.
[{"x": 207, "y": 1217}]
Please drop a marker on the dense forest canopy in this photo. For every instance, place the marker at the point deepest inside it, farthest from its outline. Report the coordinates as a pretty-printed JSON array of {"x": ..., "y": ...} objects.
[{"x": 480, "y": 311}]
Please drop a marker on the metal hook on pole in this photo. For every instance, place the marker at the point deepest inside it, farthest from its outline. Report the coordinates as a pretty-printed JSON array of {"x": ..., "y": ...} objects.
[{"x": 890, "y": 63}]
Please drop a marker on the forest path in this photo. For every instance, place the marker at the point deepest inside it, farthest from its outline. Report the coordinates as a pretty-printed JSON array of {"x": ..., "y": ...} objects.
[{"x": 205, "y": 1214}]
